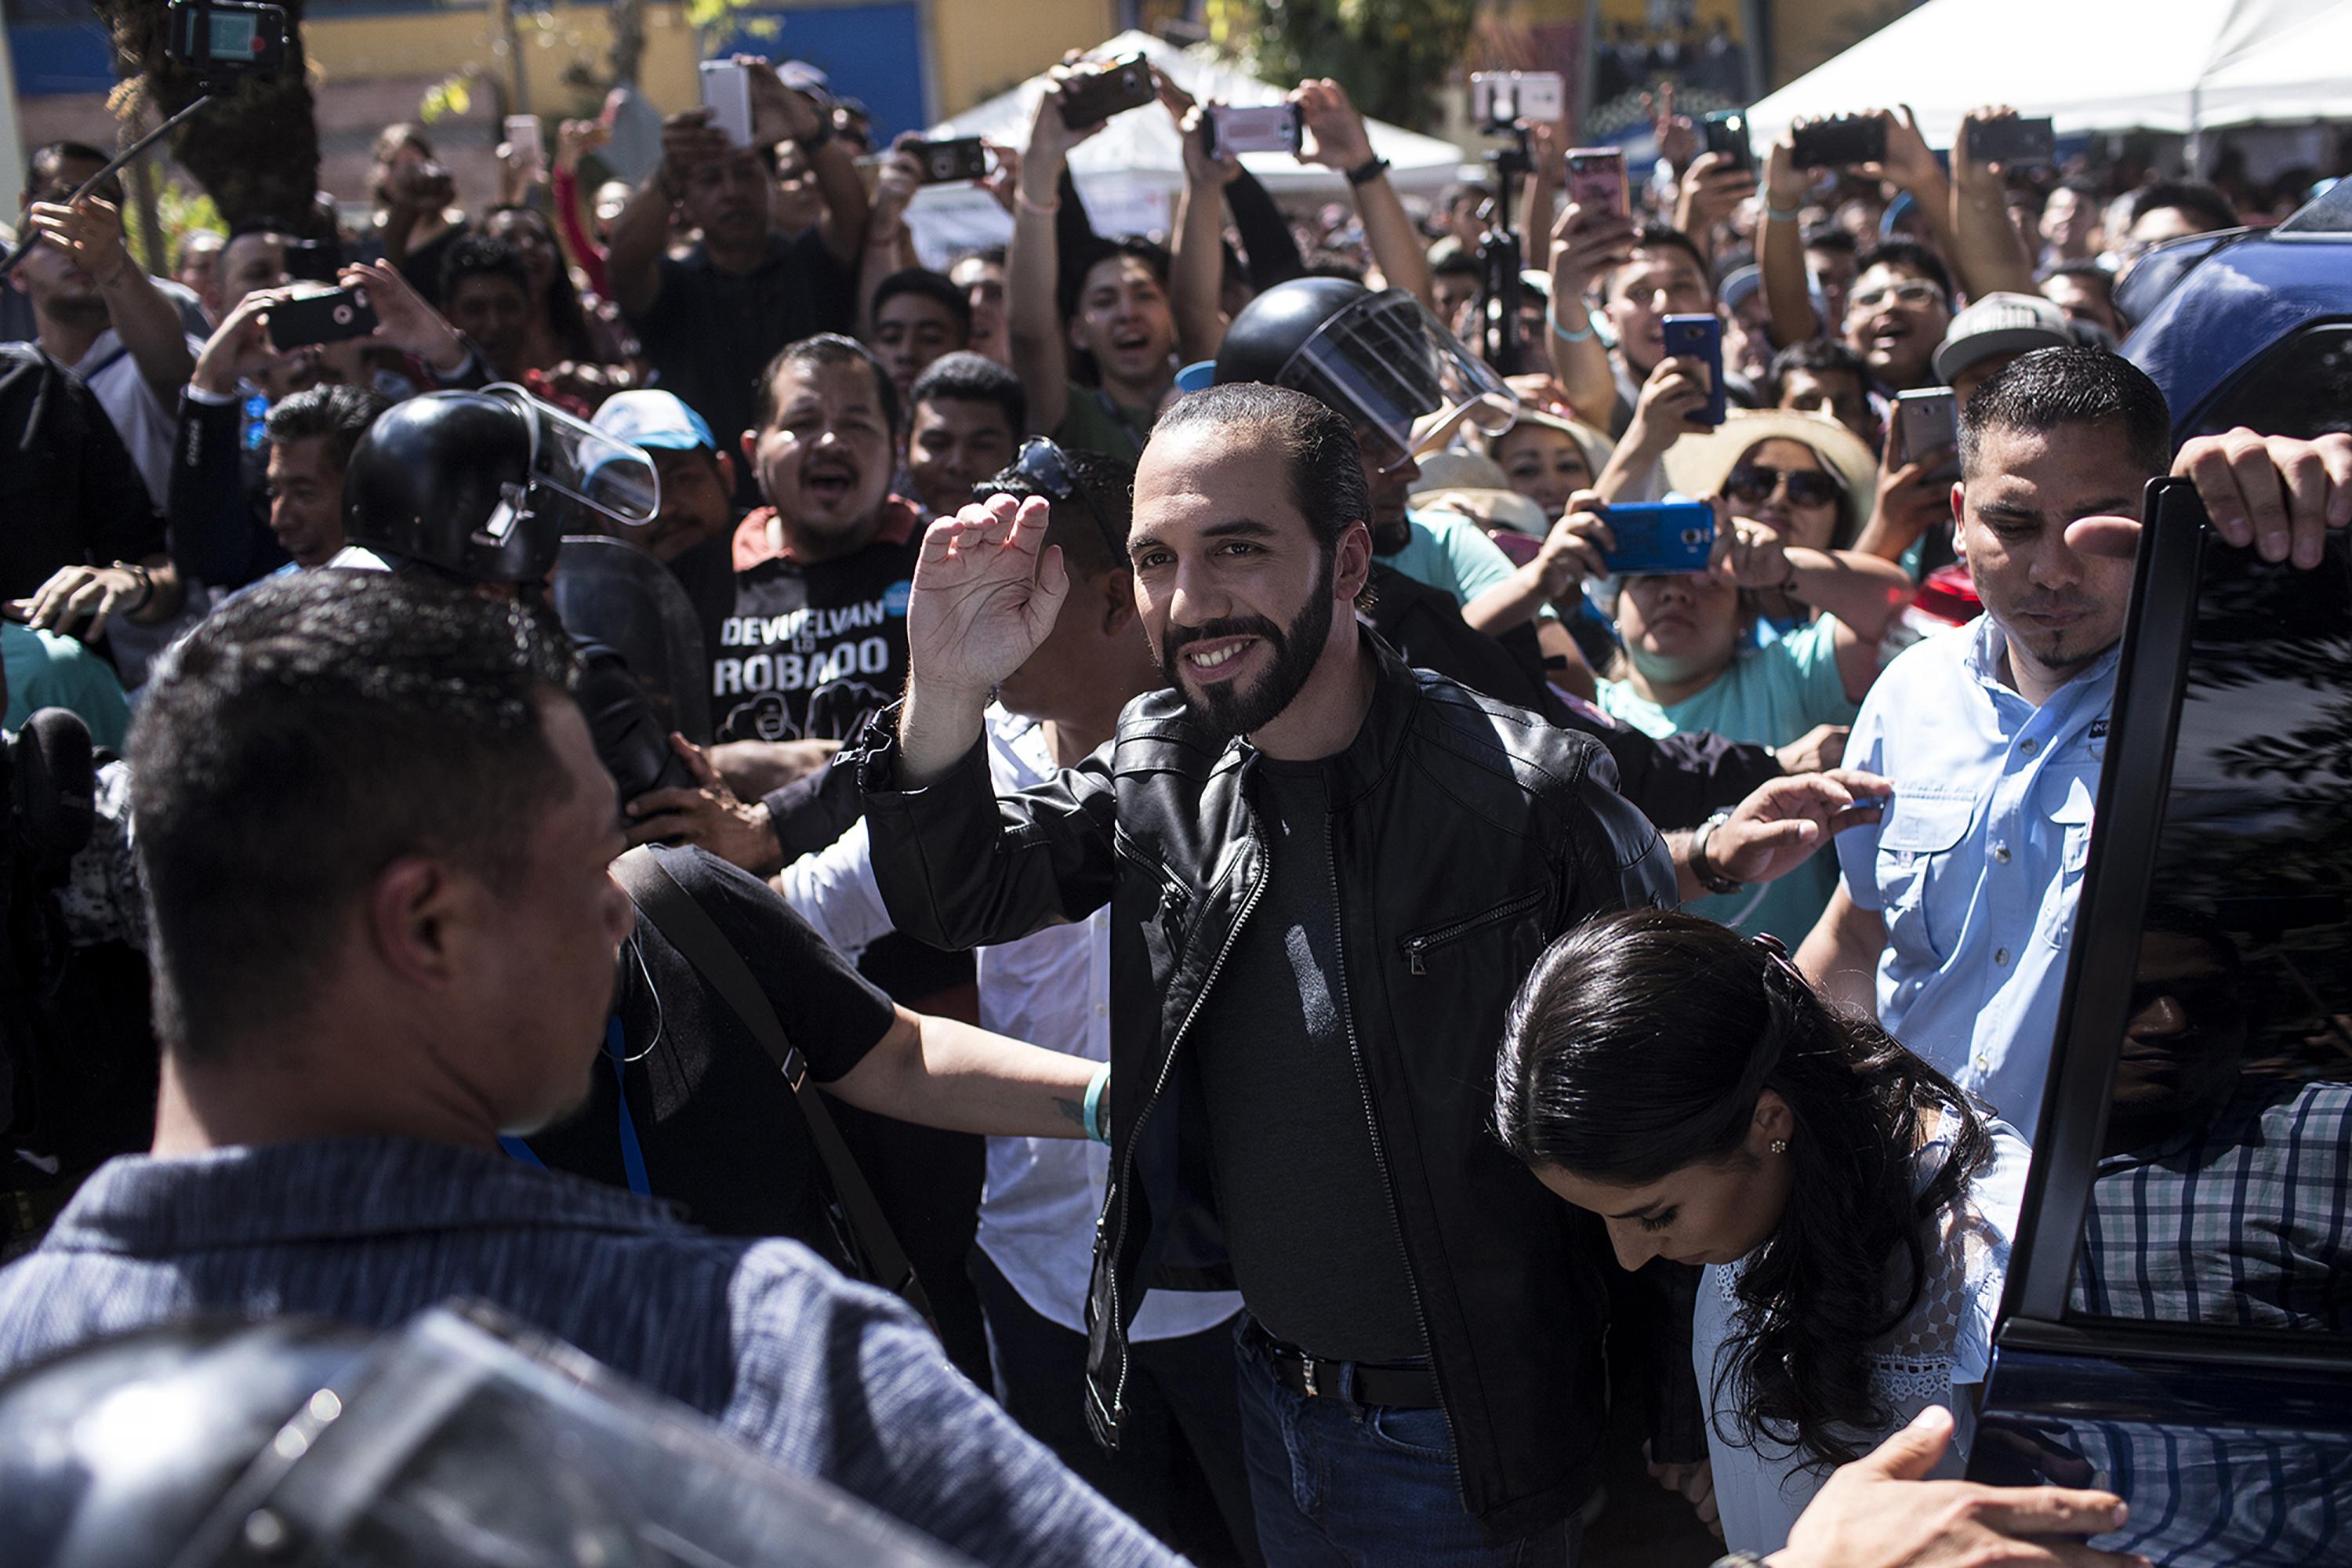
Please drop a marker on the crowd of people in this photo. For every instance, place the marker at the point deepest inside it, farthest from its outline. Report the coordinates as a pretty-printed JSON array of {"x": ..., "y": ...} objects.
[{"x": 1196, "y": 870}]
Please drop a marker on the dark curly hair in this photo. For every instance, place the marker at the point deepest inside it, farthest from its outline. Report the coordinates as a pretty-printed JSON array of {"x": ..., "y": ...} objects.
[{"x": 1638, "y": 1044}]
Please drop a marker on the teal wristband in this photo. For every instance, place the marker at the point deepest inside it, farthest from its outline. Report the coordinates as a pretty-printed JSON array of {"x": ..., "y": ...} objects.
[
  {"x": 1098, "y": 1128},
  {"x": 1552, "y": 317},
  {"x": 1782, "y": 215}
]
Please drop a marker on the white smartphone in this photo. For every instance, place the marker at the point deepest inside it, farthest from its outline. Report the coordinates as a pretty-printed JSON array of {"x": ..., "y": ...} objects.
[
  {"x": 1268, "y": 128},
  {"x": 523, "y": 136},
  {"x": 1500, "y": 99},
  {"x": 727, "y": 93}
]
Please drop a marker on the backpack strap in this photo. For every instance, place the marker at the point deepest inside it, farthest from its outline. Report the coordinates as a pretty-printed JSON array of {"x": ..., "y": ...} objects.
[{"x": 665, "y": 900}]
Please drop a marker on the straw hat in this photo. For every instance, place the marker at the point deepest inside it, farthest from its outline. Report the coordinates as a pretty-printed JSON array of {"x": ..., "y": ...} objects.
[
  {"x": 1595, "y": 445},
  {"x": 1482, "y": 488},
  {"x": 1698, "y": 464}
]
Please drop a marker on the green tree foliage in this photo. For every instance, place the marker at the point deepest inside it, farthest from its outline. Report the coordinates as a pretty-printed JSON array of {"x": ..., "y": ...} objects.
[{"x": 1392, "y": 55}]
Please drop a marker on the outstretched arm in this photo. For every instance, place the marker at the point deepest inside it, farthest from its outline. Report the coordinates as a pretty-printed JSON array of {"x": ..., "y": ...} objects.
[
  {"x": 1336, "y": 138},
  {"x": 1585, "y": 244},
  {"x": 942, "y": 1072},
  {"x": 1032, "y": 263}
]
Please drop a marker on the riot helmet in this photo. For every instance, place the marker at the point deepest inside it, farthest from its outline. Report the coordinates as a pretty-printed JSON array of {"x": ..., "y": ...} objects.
[
  {"x": 460, "y": 1439},
  {"x": 1381, "y": 361},
  {"x": 483, "y": 485}
]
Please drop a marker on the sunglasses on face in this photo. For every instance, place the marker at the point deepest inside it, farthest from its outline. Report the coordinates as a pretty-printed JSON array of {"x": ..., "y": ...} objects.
[
  {"x": 1912, "y": 293},
  {"x": 1755, "y": 483}
]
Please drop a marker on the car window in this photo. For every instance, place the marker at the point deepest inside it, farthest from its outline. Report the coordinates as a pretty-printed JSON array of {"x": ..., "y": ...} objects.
[
  {"x": 2221, "y": 1192},
  {"x": 2303, "y": 387}
]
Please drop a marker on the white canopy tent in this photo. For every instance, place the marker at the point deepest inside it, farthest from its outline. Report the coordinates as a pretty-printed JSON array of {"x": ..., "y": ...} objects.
[
  {"x": 1131, "y": 171},
  {"x": 2179, "y": 66}
]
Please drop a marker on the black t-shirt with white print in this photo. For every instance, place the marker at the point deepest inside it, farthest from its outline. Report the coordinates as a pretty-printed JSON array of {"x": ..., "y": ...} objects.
[{"x": 814, "y": 650}]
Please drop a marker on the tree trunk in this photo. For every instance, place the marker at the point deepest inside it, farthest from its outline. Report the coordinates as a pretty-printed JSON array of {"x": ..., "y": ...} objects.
[{"x": 256, "y": 148}]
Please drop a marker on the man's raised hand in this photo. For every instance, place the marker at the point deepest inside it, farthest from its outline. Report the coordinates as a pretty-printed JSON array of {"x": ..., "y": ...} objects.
[{"x": 987, "y": 588}]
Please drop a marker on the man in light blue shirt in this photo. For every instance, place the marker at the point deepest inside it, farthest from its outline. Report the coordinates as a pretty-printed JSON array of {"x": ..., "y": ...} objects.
[
  {"x": 1954, "y": 914},
  {"x": 1961, "y": 899}
]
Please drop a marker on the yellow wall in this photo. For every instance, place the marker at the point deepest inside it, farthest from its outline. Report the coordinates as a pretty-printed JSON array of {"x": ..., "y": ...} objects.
[
  {"x": 447, "y": 43},
  {"x": 980, "y": 47}
]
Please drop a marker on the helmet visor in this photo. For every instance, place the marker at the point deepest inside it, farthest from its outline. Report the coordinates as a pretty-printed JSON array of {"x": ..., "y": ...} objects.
[
  {"x": 576, "y": 460},
  {"x": 469, "y": 1441},
  {"x": 1386, "y": 363}
]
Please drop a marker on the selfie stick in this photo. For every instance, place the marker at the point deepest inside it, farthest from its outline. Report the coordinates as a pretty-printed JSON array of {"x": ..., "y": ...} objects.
[
  {"x": 25, "y": 242},
  {"x": 1500, "y": 260}
]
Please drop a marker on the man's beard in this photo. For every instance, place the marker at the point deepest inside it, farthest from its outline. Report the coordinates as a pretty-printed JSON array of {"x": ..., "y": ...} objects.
[{"x": 1244, "y": 711}]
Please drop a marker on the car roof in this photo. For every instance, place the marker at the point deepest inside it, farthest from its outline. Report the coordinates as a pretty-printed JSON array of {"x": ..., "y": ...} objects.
[{"x": 2250, "y": 290}]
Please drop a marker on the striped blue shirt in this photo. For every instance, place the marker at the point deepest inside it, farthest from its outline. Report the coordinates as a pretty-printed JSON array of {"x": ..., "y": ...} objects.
[{"x": 828, "y": 1378}]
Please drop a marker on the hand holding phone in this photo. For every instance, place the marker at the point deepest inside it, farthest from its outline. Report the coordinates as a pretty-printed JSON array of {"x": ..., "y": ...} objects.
[
  {"x": 1596, "y": 179},
  {"x": 329, "y": 316},
  {"x": 1659, "y": 538},
  {"x": 950, "y": 162},
  {"x": 527, "y": 149},
  {"x": 727, "y": 93},
  {"x": 1700, "y": 338},
  {"x": 1235, "y": 129},
  {"x": 1725, "y": 132},
  {"x": 2013, "y": 143},
  {"x": 1091, "y": 97},
  {"x": 1841, "y": 142},
  {"x": 1928, "y": 419}
]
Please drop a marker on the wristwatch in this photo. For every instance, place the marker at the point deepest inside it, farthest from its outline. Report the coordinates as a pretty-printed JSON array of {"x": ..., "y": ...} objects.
[
  {"x": 1370, "y": 169},
  {"x": 1709, "y": 877}
]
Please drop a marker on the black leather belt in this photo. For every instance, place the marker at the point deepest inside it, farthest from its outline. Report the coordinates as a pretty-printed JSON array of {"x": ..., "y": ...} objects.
[{"x": 1399, "y": 1387}]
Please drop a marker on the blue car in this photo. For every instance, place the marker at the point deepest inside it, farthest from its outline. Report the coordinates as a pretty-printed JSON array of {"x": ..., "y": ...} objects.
[{"x": 2177, "y": 1320}]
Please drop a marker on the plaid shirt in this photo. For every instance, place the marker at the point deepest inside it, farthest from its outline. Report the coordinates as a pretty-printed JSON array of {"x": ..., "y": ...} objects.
[
  {"x": 2242, "y": 1222},
  {"x": 825, "y": 1377}
]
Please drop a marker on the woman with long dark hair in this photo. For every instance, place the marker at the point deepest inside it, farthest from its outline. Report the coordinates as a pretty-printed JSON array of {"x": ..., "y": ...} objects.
[
  {"x": 565, "y": 338},
  {"x": 1851, "y": 1208}
]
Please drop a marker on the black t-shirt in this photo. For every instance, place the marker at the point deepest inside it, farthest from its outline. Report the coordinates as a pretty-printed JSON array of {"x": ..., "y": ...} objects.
[
  {"x": 68, "y": 492},
  {"x": 1314, "y": 1245},
  {"x": 714, "y": 1118},
  {"x": 812, "y": 650},
  {"x": 420, "y": 267},
  {"x": 710, "y": 333}
]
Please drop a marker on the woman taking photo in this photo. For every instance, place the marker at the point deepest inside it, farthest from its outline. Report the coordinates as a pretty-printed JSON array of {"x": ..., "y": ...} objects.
[{"x": 1853, "y": 1211}]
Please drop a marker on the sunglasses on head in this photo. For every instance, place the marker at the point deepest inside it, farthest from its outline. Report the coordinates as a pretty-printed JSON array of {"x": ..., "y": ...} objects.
[
  {"x": 1040, "y": 468},
  {"x": 1755, "y": 483}
]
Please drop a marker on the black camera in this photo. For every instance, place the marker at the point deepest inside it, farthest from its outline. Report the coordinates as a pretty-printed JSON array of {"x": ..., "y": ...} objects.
[{"x": 222, "y": 41}]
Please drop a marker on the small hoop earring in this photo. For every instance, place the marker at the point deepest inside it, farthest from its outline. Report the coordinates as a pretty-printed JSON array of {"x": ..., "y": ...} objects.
[{"x": 1779, "y": 1146}]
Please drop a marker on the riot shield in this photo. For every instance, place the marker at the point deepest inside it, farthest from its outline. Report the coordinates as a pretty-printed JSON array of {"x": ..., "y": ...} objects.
[{"x": 610, "y": 592}]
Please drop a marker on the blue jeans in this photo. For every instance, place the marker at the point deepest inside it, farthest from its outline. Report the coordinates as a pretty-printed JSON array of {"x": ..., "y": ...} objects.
[{"x": 1340, "y": 1485}]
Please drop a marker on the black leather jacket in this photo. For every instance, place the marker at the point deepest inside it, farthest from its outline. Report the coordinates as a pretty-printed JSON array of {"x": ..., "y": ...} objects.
[{"x": 1467, "y": 836}]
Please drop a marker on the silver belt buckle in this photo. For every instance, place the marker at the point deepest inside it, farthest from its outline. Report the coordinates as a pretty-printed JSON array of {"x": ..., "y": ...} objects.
[{"x": 1307, "y": 1367}]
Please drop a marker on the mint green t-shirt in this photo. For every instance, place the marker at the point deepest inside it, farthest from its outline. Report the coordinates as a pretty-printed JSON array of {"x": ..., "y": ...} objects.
[
  {"x": 46, "y": 670},
  {"x": 1450, "y": 552},
  {"x": 1770, "y": 696}
]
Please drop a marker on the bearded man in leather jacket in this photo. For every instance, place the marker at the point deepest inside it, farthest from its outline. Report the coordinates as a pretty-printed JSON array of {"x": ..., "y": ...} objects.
[{"x": 1327, "y": 873}]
